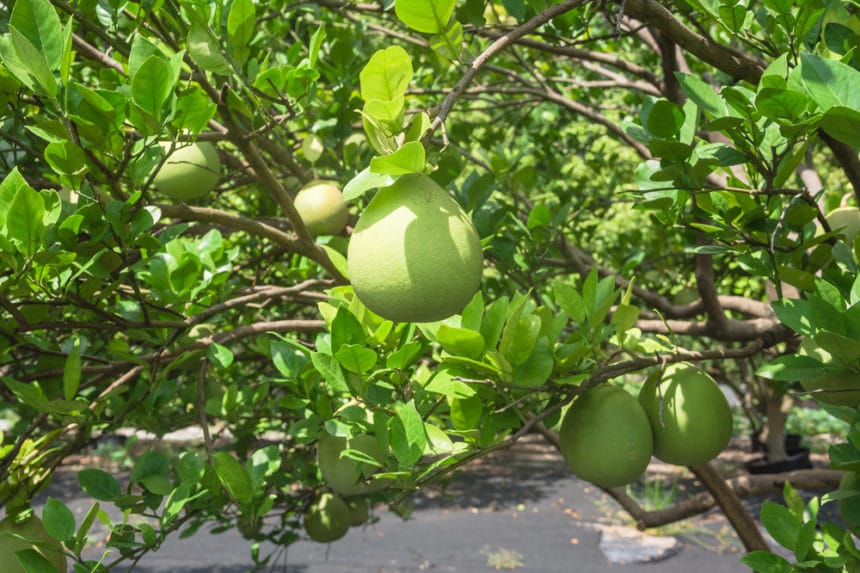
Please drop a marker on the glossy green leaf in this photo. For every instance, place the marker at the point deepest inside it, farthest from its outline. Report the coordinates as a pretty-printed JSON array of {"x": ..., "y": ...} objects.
[
  {"x": 38, "y": 22},
  {"x": 387, "y": 75},
  {"x": 790, "y": 368},
  {"x": 152, "y": 85},
  {"x": 407, "y": 435},
  {"x": 842, "y": 123},
  {"x": 65, "y": 157},
  {"x": 449, "y": 43},
  {"x": 408, "y": 159},
  {"x": 99, "y": 484},
  {"x": 519, "y": 338},
  {"x": 447, "y": 382},
  {"x": 781, "y": 524},
  {"x": 72, "y": 370},
  {"x": 355, "y": 358},
  {"x": 204, "y": 50},
  {"x": 829, "y": 82},
  {"x": 241, "y": 20},
  {"x": 234, "y": 477},
  {"x": 220, "y": 355},
  {"x": 34, "y": 62},
  {"x": 58, "y": 519},
  {"x": 460, "y": 341},
  {"x": 766, "y": 562},
  {"x": 364, "y": 182},
  {"x": 426, "y": 16},
  {"x": 702, "y": 94},
  {"x": 537, "y": 368},
  {"x": 24, "y": 220}
]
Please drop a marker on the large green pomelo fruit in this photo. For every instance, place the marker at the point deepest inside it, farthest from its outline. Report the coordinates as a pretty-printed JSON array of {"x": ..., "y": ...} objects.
[
  {"x": 345, "y": 475},
  {"x": 327, "y": 519},
  {"x": 695, "y": 422},
  {"x": 322, "y": 208},
  {"x": 359, "y": 510},
  {"x": 846, "y": 220},
  {"x": 605, "y": 437},
  {"x": 32, "y": 529},
  {"x": 190, "y": 172},
  {"x": 849, "y": 507},
  {"x": 414, "y": 255}
]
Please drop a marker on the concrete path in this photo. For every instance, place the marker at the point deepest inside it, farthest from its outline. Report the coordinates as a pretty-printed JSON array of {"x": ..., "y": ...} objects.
[{"x": 519, "y": 511}]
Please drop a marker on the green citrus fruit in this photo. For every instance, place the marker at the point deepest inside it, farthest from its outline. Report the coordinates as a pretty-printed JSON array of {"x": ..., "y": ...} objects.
[
  {"x": 37, "y": 538},
  {"x": 690, "y": 417},
  {"x": 849, "y": 507},
  {"x": 414, "y": 255},
  {"x": 190, "y": 172},
  {"x": 846, "y": 220},
  {"x": 327, "y": 519},
  {"x": 605, "y": 437},
  {"x": 345, "y": 475},
  {"x": 359, "y": 510},
  {"x": 322, "y": 208}
]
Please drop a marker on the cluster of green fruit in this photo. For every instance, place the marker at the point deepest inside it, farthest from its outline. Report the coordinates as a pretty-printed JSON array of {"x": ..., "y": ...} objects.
[
  {"x": 681, "y": 417},
  {"x": 414, "y": 255},
  {"x": 331, "y": 514},
  {"x": 18, "y": 537}
]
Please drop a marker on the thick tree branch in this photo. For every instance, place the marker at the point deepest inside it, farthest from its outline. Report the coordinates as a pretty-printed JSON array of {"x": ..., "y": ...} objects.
[{"x": 742, "y": 486}]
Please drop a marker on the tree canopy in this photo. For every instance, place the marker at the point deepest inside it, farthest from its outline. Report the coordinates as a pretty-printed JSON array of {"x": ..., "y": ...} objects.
[{"x": 652, "y": 182}]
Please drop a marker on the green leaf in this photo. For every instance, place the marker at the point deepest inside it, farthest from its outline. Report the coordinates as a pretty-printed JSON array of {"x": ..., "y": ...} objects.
[
  {"x": 204, "y": 49},
  {"x": 829, "y": 82},
  {"x": 460, "y": 341},
  {"x": 519, "y": 338},
  {"x": 790, "y": 368},
  {"x": 190, "y": 467},
  {"x": 407, "y": 435},
  {"x": 329, "y": 368},
  {"x": 426, "y": 16},
  {"x": 842, "y": 123},
  {"x": 152, "y": 85},
  {"x": 34, "y": 62},
  {"x": 355, "y": 358},
  {"x": 702, "y": 95},
  {"x": 364, "y": 182},
  {"x": 234, "y": 477},
  {"x": 785, "y": 104},
  {"x": 766, "y": 562},
  {"x": 408, "y": 159},
  {"x": 315, "y": 44},
  {"x": 24, "y": 219},
  {"x": 38, "y": 22},
  {"x": 536, "y": 370},
  {"x": 65, "y": 157},
  {"x": 99, "y": 484},
  {"x": 72, "y": 370},
  {"x": 58, "y": 519},
  {"x": 781, "y": 524},
  {"x": 156, "y": 484},
  {"x": 241, "y": 21},
  {"x": 445, "y": 382},
  {"x": 34, "y": 562},
  {"x": 346, "y": 329},
  {"x": 387, "y": 75},
  {"x": 449, "y": 44},
  {"x": 665, "y": 119},
  {"x": 220, "y": 355}
]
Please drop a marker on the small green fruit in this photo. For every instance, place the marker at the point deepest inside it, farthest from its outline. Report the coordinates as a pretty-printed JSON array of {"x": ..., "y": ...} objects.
[
  {"x": 37, "y": 538},
  {"x": 190, "y": 172},
  {"x": 845, "y": 220},
  {"x": 694, "y": 423},
  {"x": 359, "y": 510},
  {"x": 605, "y": 437},
  {"x": 414, "y": 255},
  {"x": 327, "y": 519},
  {"x": 322, "y": 208},
  {"x": 345, "y": 475}
]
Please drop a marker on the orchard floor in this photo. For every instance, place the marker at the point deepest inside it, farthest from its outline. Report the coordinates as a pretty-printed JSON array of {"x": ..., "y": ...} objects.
[{"x": 518, "y": 510}]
